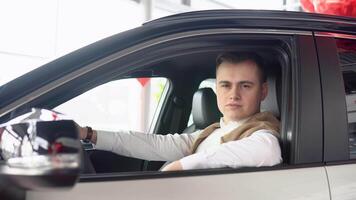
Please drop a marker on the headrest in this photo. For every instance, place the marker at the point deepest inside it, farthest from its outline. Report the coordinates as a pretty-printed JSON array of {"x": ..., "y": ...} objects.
[
  {"x": 205, "y": 109},
  {"x": 271, "y": 102}
]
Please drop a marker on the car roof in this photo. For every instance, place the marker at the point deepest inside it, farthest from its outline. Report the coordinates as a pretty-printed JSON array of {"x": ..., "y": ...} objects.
[{"x": 262, "y": 19}]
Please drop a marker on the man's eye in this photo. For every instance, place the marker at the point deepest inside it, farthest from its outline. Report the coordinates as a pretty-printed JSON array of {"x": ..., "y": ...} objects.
[{"x": 247, "y": 86}]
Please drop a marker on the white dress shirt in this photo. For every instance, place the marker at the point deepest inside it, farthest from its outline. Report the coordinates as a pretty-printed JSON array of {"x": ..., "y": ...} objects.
[{"x": 260, "y": 149}]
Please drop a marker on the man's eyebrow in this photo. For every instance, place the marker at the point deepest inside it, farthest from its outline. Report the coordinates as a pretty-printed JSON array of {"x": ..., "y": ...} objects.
[
  {"x": 224, "y": 82},
  {"x": 240, "y": 82},
  {"x": 244, "y": 82}
]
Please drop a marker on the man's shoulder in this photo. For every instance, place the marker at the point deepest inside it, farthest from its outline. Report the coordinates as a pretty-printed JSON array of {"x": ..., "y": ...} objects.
[{"x": 264, "y": 116}]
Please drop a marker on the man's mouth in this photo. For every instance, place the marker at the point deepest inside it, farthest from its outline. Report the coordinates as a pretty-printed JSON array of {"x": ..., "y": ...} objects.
[{"x": 233, "y": 105}]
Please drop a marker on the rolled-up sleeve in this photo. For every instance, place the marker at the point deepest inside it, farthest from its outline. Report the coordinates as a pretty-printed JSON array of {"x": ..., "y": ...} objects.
[
  {"x": 147, "y": 146},
  {"x": 260, "y": 149}
]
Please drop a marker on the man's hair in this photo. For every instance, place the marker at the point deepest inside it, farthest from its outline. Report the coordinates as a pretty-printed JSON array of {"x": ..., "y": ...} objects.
[{"x": 236, "y": 58}]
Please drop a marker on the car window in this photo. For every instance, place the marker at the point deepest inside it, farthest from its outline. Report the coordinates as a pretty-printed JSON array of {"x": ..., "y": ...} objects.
[
  {"x": 128, "y": 104},
  {"x": 347, "y": 59}
]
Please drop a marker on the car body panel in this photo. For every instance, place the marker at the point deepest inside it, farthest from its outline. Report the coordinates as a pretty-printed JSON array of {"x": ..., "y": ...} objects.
[
  {"x": 308, "y": 183},
  {"x": 342, "y": 181},
  {"x": 263, "y": 19}
]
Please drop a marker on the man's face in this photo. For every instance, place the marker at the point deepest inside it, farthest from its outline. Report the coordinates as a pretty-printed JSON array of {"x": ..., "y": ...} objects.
[{"x": 239, "y": 90}]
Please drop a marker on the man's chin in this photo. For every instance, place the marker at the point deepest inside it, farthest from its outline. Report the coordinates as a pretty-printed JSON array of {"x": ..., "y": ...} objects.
[
  {"x": 237, "y": 118},
  {"x": 241, "y": 117}
]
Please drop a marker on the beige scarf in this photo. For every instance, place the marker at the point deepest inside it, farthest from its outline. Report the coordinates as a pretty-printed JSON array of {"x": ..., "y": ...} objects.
[{"x": 262, "y": 120}]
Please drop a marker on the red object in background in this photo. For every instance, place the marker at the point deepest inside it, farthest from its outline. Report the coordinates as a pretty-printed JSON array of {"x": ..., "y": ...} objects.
[
  {"x": 143, "y": 81},
  {"x": 307, "y": 5},
  {"x": 332, "y": 7}
]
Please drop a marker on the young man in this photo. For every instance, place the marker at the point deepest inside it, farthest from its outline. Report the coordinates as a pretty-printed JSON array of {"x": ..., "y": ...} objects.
[{"x": 244, "y": 137}]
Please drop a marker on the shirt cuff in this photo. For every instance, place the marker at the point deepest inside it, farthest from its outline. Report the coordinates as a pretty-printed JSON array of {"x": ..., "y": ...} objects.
[{"x": 104, "y": 140}]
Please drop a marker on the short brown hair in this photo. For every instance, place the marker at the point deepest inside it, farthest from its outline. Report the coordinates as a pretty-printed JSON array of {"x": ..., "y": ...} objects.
[{"x": 235, "y": 58}]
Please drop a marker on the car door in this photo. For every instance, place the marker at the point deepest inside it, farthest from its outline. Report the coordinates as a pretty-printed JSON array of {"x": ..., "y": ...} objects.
[
  {"x": 302, "y": 176},
  {"x": 337, "y": 57}
]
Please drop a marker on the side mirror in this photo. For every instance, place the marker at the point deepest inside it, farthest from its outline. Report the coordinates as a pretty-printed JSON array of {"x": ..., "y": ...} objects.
[{"x": 40, "y": 150}]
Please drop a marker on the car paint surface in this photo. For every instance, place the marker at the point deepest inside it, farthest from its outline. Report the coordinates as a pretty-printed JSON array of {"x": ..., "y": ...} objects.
[{"x": 309, "y": 183}]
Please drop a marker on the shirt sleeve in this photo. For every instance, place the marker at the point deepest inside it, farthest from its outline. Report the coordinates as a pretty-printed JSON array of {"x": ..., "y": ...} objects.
[
  {"x": 260, "y": 149},
  {"x": 153, "y": 147}
]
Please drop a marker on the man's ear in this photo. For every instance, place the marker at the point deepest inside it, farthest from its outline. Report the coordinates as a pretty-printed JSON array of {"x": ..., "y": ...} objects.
[{"x": 264, "y": 91}]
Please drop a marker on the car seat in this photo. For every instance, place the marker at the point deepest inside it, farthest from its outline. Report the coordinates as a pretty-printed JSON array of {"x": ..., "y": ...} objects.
[
  {"x": 272, "y": 101},
  {"x": 204, "y": 110}
]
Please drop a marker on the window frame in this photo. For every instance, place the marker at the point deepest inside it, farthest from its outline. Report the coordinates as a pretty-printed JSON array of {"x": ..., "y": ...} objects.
[
  {"x": 335, "y": 125},
  {"x": 295, "y": 109},
  {"x": 307, "y": 154}
]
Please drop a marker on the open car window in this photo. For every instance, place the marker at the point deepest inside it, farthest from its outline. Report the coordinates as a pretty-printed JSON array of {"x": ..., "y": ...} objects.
[{"x": 127, "y": 104}]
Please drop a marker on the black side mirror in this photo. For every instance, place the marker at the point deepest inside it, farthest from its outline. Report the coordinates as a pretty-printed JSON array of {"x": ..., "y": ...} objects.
[{"x": 40, "y": 150}]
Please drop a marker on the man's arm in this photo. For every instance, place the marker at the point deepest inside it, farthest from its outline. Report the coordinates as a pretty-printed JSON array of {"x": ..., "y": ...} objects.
[
  {"x": 259, "y": 149},
  {"x": 144, "y": 146}
]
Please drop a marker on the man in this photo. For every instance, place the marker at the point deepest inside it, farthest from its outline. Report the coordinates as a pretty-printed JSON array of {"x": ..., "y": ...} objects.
[{"x": 244, "y": 137}]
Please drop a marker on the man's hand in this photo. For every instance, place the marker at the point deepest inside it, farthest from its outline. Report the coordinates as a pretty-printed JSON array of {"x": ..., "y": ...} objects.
[
  {"x": 174, "y": 166},
  {"x": 82, "y": 132}
]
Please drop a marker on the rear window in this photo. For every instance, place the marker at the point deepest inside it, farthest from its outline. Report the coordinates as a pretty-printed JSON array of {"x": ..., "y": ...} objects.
[{"x": 347, "y": 59}]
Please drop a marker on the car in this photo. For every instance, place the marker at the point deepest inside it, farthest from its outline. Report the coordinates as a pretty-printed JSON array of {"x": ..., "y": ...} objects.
[{"x": 311, "y": 70}]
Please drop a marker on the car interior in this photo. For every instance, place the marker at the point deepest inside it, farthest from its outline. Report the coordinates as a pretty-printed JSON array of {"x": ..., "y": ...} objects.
[{"x": 185, "y": 73}]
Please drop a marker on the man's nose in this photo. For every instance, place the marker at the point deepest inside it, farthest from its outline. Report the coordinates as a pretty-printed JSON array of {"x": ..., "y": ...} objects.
[{"x": 235, "y": 93}]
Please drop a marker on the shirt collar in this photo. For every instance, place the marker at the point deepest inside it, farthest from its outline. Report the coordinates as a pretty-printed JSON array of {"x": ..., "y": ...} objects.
[{"x": 232, "y": 124}]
